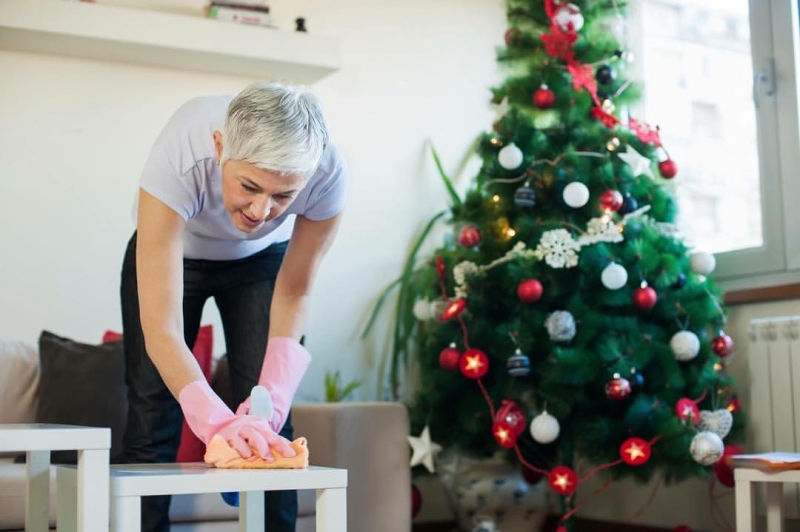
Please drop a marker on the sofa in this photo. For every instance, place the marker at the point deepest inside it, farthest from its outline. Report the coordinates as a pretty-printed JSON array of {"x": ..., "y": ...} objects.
[{"x": 368, "y": 439}]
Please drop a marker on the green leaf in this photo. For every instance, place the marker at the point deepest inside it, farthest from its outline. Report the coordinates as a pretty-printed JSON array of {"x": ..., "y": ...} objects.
[{"x": 447, "y": 182}]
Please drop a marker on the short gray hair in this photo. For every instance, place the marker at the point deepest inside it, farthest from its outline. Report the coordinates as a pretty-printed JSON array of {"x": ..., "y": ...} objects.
[{"x": 275, "y": 127}]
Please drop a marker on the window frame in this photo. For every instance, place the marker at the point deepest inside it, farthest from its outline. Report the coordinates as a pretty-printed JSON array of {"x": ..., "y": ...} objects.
[{"x": 774, "y": 48}]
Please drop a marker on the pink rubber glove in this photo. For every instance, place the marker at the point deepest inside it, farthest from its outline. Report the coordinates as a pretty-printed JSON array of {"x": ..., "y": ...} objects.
[
  {"x": 207, "y": 416},
  {"x": 285, "y": 363}
]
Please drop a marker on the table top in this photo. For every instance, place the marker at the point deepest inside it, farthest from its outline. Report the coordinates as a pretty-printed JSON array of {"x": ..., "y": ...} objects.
[
  {"x": 52, "y": 437},
  {"x": 198, "y": 477}
]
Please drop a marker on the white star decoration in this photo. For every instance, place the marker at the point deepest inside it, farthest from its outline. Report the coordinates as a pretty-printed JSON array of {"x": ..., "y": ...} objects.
[
  {"x": 424, "y": 449},
  {"x": 639, "y": 163},
  {"x": 501, "y": 109}
]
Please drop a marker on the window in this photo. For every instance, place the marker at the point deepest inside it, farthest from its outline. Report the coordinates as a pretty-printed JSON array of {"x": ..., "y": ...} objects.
[{"x": 711, "y": 86}]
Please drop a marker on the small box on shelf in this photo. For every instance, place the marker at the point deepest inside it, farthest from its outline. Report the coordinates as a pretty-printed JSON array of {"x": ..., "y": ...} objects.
[{"x": 253, "y": 14}]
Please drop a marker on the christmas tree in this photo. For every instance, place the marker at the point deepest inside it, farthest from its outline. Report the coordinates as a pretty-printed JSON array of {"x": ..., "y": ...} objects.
[{"x": 567, "y": 318}]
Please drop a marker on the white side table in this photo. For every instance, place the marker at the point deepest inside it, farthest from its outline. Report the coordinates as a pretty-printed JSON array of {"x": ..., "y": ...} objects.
[
  {"x": 37, "y": 440},
  {"x": 129, "y": 483},
  {"x": 745, "y": 477}
]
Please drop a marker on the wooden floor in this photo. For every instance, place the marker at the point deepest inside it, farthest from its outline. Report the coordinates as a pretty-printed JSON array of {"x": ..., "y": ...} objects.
[{"x": 584, "y": 525}]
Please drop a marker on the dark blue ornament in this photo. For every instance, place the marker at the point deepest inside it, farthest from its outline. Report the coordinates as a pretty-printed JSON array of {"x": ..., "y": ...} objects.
[
  {"x": 605, "y": 74},
  {"x": 629, "y": 204},
  {"x": 524, "y": 197},
  {"x": 679, "y": 282},
  {"x": 518, "y": 365}
]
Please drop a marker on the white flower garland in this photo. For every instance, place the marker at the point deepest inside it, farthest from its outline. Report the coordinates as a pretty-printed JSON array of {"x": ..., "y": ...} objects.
[{"x": 558, "y": 248}]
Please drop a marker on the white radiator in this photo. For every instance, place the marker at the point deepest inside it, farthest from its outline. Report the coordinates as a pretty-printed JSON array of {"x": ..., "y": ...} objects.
[{"x": 774, "y": 416}]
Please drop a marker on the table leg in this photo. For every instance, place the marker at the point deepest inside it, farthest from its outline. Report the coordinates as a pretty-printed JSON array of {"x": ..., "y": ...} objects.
[
  {"x": 93, "y": 490},
  {"x": 67, "y": 506},
  {"x": 37, "y": 503},
  {"x": 251, "y": 511},
  {"x": 332, "y": 510},
  {"x": 744, "y": 506},
  {"x": 126, "y": 514},
  {"x": 774, "y": 506}
]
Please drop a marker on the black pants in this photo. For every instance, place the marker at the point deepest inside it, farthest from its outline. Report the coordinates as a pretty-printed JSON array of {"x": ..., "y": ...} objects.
[{"x": 242, "y": 290}]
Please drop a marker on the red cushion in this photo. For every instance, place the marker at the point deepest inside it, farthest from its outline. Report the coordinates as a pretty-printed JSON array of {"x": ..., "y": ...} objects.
[{"x": 191, "y": 448}]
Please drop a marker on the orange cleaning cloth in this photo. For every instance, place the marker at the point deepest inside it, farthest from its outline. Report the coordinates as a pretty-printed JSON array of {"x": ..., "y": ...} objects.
[{"x": 220, "y": 454}]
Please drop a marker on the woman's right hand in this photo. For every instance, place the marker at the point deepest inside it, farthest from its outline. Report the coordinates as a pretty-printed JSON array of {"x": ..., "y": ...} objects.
[{"x": 246, "y": 433}]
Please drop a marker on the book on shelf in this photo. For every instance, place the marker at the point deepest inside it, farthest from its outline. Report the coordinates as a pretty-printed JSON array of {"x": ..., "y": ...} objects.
[
  {"x": 237, "y": 4},
  {"x": 249, "y": 4},
  {"x": 241, "y": 16}
]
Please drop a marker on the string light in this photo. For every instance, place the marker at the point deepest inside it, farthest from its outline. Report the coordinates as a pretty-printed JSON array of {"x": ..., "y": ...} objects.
[
  {"x": 613, "y": 144},
  {"x": 608, "y": 106},
  {"x": 510, "y": 233},
  {"x": 496, "y": 198},
  {"x": 494, "y": 141}
]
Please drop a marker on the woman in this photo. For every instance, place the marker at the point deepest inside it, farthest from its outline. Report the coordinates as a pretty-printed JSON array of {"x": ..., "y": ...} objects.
[{"x": 239, "y": 200}]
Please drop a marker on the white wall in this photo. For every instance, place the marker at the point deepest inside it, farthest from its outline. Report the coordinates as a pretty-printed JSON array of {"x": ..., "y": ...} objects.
[{"x": 75, "y": 134}]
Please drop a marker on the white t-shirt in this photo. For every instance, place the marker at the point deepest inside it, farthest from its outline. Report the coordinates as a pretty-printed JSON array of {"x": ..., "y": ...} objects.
[{"x": 182, "y": 172}]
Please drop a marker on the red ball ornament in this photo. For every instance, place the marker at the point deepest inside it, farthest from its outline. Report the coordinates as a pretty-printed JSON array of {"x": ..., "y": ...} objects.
[
  {"x": 563, "y": 480},
  {"x": 453, "y": 309},
  {"x": 474, "y": 363},
  {"x": 644, "y": 298},
  {"x": 618, "y": 388},
  {"x": 668, "y": 169},
  {"x": 544, "y": 97},
  {"x": 449, "y": 358},
  {"x": 416, "y": 501},
  {"x": 723, "y": 468},
  {"x": 469, "y": 236},
  {"x": 687, "y": 411},
  {"x": 722, "y": 345},
  {"x": 530, "y": 291},
  {"x": 611, "y": 200},
  {"x": 511, "y": 36},
  {"x": 512, "y": 416},
  {"x": 635, "y": 451}
]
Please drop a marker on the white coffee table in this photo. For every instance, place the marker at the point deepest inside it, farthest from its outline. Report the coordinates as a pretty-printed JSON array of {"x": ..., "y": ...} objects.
[
  {"x": 745, "y": 479},
  {"x": 129, "y": 483},
  {"x": 37, "y": 440}
]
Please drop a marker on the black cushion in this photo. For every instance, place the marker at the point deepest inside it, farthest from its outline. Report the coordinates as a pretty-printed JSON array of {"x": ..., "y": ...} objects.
[{"x": 82, "y": 384}]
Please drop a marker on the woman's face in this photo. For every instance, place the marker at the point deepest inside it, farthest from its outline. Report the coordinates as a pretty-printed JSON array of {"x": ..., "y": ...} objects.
[{"x": 253, "y": 196}]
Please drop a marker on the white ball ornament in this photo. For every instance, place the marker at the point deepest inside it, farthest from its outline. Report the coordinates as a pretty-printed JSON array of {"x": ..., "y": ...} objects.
[
  {"x": 703, "y": 263},
  {"x": 568, "y": 17},
  {"x": 706, "y": 448},
  {"x": 614, "y": 276},
  {"x": 576, "y": 194},
  {"x": 720, "y": 422},
  {"x": 423, "y": 310},
  {"x": 510, "y": 157},
  {"x": 685, "y": 345},
  {"x": 545, "y": 428}
]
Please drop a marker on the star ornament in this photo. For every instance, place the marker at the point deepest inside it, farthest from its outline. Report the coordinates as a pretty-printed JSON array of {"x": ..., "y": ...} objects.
[
  {"x": 639, "y": 163},
  {"x": 635, "y": 451},
  {"x": 424, "y": 450},
  {"x": 501, "y": 109},
  {"x": 474, "y": 363},
  {"x": 563, "y": 480}
]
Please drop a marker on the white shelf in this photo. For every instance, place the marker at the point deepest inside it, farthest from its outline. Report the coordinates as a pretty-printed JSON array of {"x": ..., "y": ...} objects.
[{"x": 108, "y": 33}]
